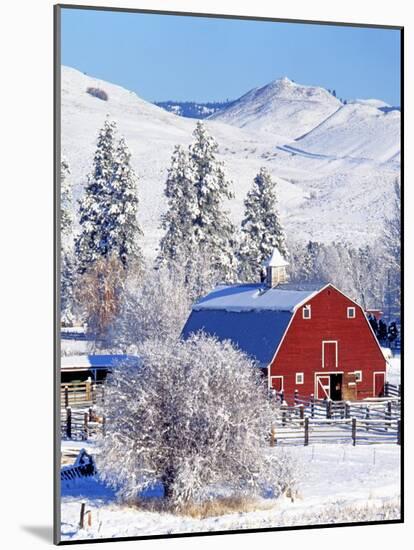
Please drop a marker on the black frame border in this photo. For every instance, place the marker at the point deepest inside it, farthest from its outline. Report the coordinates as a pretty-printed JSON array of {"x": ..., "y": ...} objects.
[{"x": 56, "y": 269}]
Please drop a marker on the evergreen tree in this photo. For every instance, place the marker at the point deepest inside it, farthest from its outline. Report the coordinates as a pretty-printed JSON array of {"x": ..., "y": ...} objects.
[
  {"x": 213, "y": 230},
  {"x": 261, "y": 227},
  {"x": 93, "y": 241},
  {"x": 178, "y": 222},
  {"x": 67, "y": 273},
  {"x": 108, "y": 210},
  {"x": 122, "y": 222}
]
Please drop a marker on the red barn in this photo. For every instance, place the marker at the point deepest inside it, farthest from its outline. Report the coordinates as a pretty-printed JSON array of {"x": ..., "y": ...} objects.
[{"x": 313, "y": 340}]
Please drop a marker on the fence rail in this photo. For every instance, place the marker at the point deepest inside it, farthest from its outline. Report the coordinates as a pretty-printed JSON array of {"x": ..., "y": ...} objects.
[
  {"x": 73, "y": 394},
  {"x": 314, "y": 430}
]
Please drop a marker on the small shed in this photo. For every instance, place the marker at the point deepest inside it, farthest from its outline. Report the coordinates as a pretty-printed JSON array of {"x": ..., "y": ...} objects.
[{"x": 95, "y": 367}]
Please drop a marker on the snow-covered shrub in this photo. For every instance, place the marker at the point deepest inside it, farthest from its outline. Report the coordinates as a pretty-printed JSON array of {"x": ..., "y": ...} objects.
[
  {"x": 98, "y": 92},
  {"x": 194, "y": 416}
]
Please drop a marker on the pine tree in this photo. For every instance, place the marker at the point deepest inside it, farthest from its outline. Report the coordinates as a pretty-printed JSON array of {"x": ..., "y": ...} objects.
[
  {"x": 67, "y": 273},
  {"x": 108, "y": 210},
  {"x": 122, "y": 222},
  {"x": 93, "y": 242},
  {"x": 213, "y": 230},
  {"x": 261, "y": 226},
  {"x": 178, "y": 241},
  {"x": 198, "y": 230}
]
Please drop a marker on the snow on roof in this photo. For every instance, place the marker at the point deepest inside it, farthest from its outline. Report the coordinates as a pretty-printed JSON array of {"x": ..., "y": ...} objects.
[
  {"x": 253, "y": 317},
  {"x": 257, "y": 333},
  {"x": 254, "y": 297},
  {"x": 275, "y": 260},
  {"x": 96, "y": 361}
]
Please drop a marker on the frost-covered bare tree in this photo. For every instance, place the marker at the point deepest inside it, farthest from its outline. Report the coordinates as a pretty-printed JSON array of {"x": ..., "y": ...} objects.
[
  {"x": 194, "y": 416},
  {"x": 391, "y": 240},
  {"x": 155, "y": 307},
  {"x": 100, "y": 294}
]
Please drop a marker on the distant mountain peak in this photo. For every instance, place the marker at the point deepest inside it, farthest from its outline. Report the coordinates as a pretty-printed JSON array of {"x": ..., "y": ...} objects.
[{"x": 282, "y": 107}]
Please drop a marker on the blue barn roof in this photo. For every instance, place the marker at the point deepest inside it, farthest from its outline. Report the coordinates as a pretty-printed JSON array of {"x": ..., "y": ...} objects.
[{"x": 252, "y": 316}]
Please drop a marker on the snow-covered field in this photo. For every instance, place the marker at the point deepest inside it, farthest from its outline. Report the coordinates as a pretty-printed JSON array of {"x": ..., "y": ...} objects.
[
  {"x": 335, "y": 164},
  {"x": 337, "y": 484}
]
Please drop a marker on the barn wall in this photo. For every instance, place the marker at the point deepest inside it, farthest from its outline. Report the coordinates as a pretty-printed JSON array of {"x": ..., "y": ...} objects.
[{"x": 301, "y": 349}]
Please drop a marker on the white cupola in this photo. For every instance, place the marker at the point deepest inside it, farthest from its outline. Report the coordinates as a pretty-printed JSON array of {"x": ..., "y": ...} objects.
[{"x": 275, "y": 269}]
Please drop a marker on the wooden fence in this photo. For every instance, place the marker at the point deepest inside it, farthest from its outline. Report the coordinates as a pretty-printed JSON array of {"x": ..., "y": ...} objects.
[
  {"x": 80, "y": 424},
  {"x": 75, "y": 394},
  {"x": 315, "y": 430},
  {"x": 385, "y": 408}
]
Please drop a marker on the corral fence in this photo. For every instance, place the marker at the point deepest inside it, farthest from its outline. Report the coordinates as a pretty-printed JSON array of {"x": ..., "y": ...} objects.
[
  {"x": 375, "y": 408},
  {"x": 80, "y": 424},
  {"x": 304, "y": 431},
  {"x": 81, "y": 394}
]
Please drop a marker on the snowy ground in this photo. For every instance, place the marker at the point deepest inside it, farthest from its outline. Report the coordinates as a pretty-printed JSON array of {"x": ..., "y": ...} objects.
[{"x": 339, "y": 483}]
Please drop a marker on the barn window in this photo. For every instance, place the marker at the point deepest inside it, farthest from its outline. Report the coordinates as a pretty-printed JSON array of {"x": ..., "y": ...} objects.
[
  {"x": 358, "y": 375},
  {"x": 306, "y": 312},
  {"x": 299, "y": 378},
  {"x": 350, "y": 312}
]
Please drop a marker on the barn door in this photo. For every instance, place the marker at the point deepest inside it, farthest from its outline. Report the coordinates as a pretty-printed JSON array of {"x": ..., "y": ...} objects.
[
  {"x": 323, "y": 386},
  {"x": 379, "y": 382},
  {"x": 329, "y": 355}
]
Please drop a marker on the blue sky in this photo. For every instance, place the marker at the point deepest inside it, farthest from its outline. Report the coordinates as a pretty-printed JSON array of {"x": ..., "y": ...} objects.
[{"x": 201, "y": 59}]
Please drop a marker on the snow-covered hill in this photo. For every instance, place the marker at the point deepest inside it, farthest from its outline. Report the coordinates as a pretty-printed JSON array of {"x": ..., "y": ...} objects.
[
  {"x": 336, "y": 187},
  {"x": 281, "y": 107},
  {"x": 358, "y": 130}
]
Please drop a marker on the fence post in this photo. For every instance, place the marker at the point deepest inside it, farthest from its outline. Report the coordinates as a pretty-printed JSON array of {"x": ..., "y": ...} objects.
[
  {"x": 312, "y": 405},
  {"x": 88, "y": 388},
  {"x": 296, "y": 398},
  {"x": 347, "y": 409},
  {"x": 399, "y": 432},
  {"x": 366, "y": 417},
  {"x": 85, "y": 426},
  {"x": 272, "y": 437},
  {"x": 68, "y": 422},
  {"x": 283, "y": 408},
  {"x": 328, "y": 408},
  {"x": 354, "y": 431},
  {"x": 94, "y": 394},
  {"x": 66, "y": 397},
  {"x": 91, "y": 415},
  {"x": 306, "y": 441},
  {"x": 82, "y": 516},
  {"x": 388, "y": 413},
  {"x": 301, "y": 411},
  {"x": 386, "y": 389},
  {"x": 282, "y": 396}
]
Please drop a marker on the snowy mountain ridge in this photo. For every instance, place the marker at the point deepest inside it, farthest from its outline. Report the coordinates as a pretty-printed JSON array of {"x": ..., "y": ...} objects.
[
  {"x": 334, "y": 164},
  {"x": 282, "y": 107}
]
